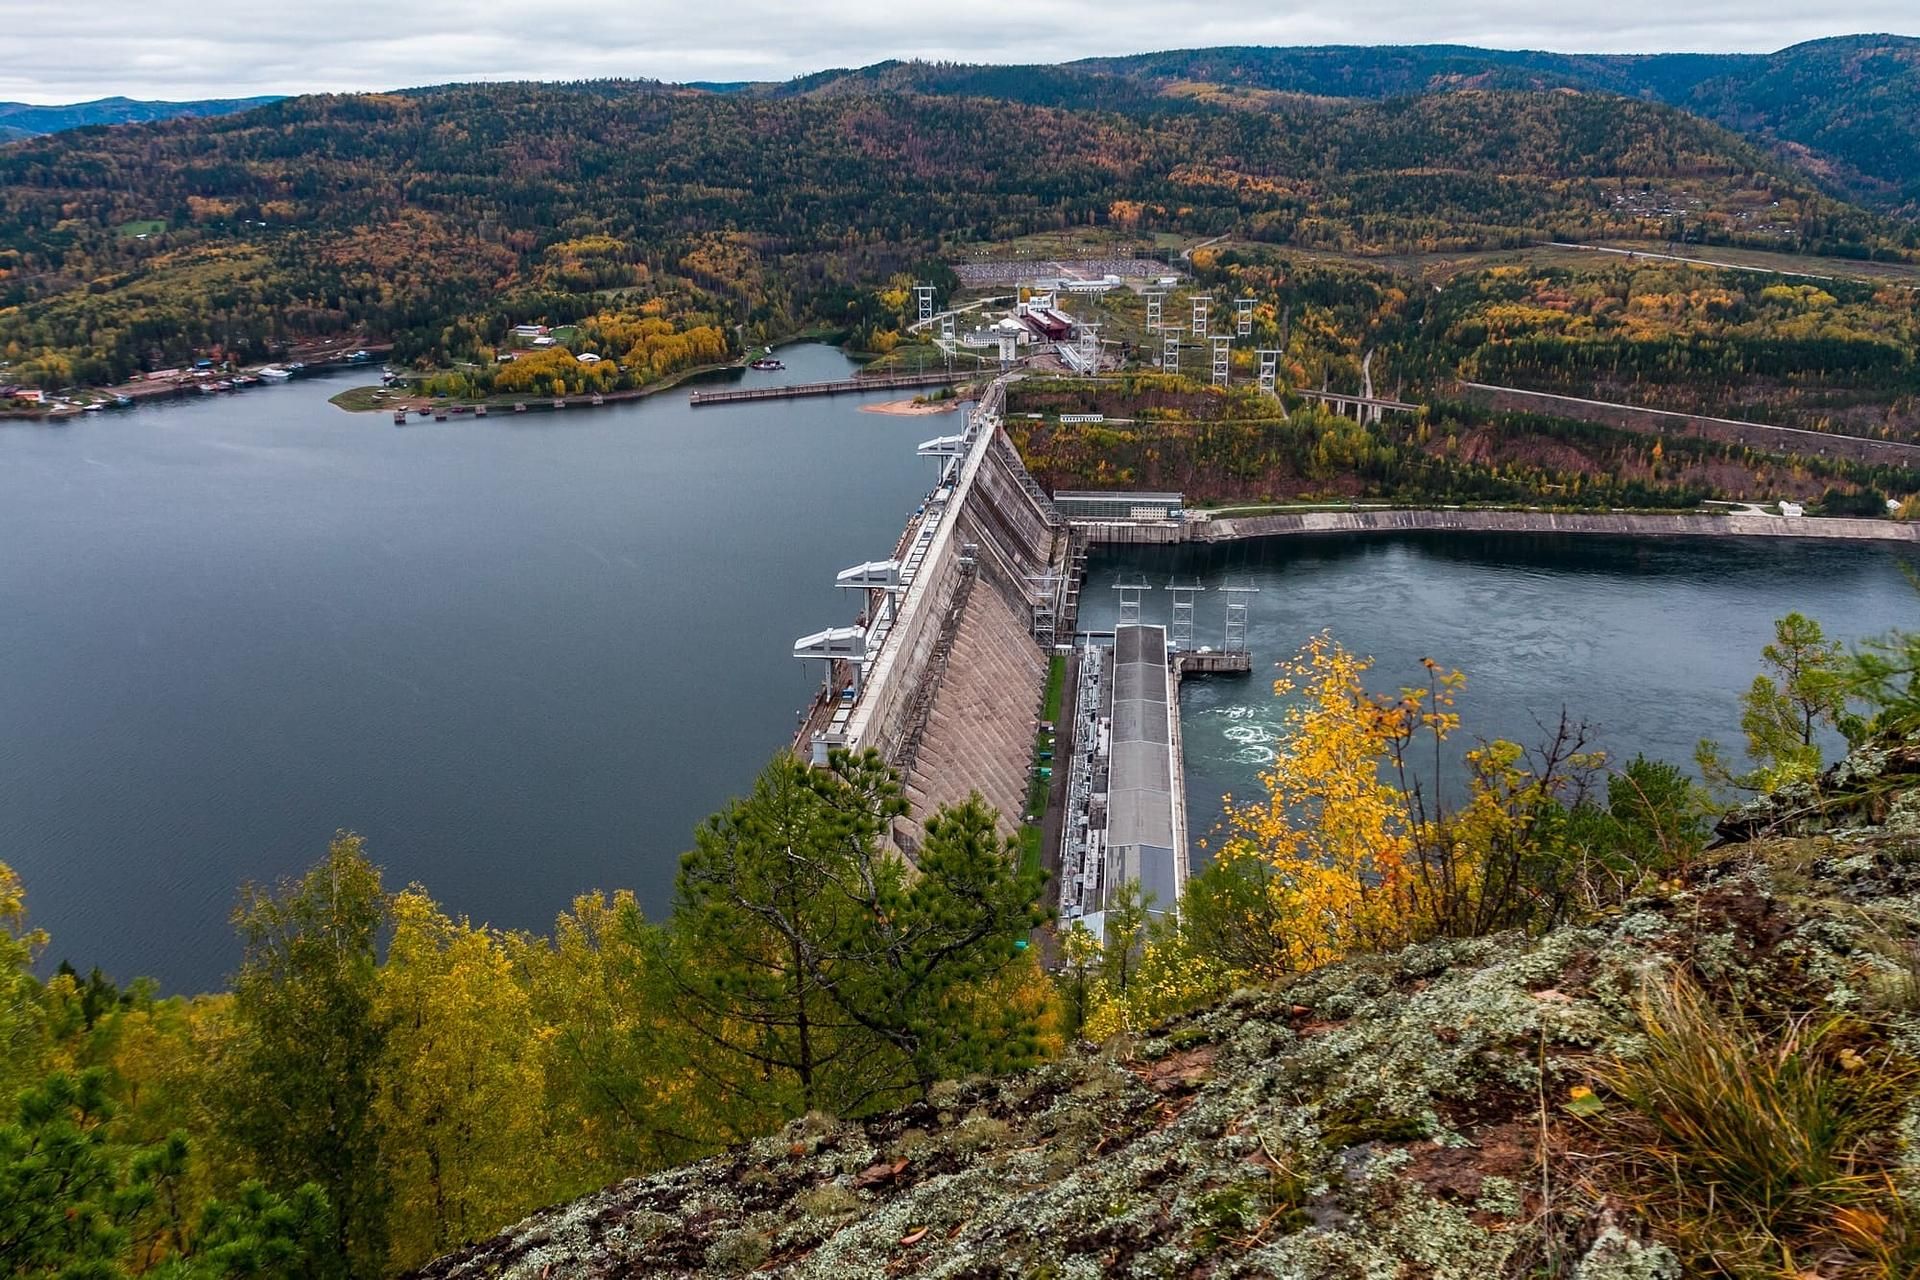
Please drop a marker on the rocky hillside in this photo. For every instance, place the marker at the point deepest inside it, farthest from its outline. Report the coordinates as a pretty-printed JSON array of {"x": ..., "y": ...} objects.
[{"x": 1462, "y": 1109}]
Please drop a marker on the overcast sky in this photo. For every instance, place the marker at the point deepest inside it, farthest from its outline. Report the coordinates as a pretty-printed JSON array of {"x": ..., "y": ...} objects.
[{"x": 66, "y": 50}]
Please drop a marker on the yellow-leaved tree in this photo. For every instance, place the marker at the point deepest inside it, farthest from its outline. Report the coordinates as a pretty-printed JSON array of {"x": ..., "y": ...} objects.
[
  {"x": 21, "y": 1017},
  {"x": 462, "y": 1102},
  {"x": 1334, "y": 838},
  {"x": 1349, "y": 851}
]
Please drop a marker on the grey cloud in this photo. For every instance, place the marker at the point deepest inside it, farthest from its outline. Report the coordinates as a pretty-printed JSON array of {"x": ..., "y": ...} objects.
[{"x": 65, "y": 51}]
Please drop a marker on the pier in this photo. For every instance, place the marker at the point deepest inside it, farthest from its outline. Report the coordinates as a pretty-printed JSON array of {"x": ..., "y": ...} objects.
[
  {"x": 883, "y": 382},
  {"x": 1215, "y": 662}
]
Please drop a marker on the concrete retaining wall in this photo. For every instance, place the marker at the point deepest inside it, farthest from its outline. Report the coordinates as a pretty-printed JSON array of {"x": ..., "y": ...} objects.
[
  {"x": 1632, "y": 526},
  {"x": 1757, "y": 435},
  {"x": 979, "y": 736},
  {"x": 884, "y": 712}
]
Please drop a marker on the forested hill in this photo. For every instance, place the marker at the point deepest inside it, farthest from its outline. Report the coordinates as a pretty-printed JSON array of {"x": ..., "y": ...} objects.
[
  {"x": 1848, "y": 107},
  {"x": 442, "y": 216},
  {"x": 26, "y": 119}
]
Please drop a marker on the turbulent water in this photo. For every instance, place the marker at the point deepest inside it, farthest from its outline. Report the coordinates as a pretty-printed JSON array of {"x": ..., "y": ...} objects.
[
  {"x": 522, "y": 656},
  {"x": 1650, "y": 642}
]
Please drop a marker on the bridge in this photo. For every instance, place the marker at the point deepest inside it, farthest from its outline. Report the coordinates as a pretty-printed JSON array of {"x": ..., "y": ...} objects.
[
  {"x": 1363, "y": 408},
  {"x": 882, "y": 382}
]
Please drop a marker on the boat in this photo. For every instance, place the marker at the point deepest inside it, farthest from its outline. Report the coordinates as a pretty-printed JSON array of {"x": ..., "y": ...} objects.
[
  {"x": 767, "y": 362},
  {"x": 95, "y": 407},
  {"x": 246, "y": 380},
  {"x": 272, "y": 373}
]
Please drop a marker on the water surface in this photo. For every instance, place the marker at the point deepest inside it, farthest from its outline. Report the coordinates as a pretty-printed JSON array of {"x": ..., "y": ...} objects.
[
  {"x": 522, "y": 656},
  {"x": 1651, "y": 642}
]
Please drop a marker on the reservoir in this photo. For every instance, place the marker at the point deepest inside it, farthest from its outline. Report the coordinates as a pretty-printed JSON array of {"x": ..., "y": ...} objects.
[
  {"x": 1650, "y": 642},
  {"x": 522, "y": 656}
]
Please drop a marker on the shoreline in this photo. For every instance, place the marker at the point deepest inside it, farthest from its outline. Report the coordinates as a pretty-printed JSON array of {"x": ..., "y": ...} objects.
[{"x": 508, "y": 402}]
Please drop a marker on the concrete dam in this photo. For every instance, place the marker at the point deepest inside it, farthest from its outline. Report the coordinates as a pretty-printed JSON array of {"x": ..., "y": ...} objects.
[{"x": 945, "y": 670}]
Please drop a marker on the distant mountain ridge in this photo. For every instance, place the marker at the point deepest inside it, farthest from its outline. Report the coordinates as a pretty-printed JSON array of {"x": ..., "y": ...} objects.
[
  {"x": 28, "y": 120},
  {"x": 1846, "y": 108}
]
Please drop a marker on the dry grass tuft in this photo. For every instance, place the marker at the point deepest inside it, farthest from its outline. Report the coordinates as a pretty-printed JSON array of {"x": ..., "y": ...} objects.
[{"x": 1764, "y": 1154}]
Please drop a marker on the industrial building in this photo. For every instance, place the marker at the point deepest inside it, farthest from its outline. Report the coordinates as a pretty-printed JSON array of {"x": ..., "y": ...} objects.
[
  {"x": 1117, "y": 506},
  {"x": 1126, "y": 804}
]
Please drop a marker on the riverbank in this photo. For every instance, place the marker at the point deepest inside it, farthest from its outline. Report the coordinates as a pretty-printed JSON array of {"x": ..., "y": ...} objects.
[
  {"x": 1731, "y": 525},
  {"x": 363, "y": 400}
]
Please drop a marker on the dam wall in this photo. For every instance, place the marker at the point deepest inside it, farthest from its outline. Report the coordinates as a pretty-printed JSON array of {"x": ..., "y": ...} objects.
[
  {"x": 952, "y": 696},
  {"x": 1735, "y": 525},
  {"x": 980, "y": 725}
]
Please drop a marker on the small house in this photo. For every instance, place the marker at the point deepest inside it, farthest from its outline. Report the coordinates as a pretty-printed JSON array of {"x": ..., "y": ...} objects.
[{"x": 587, "y": 357}]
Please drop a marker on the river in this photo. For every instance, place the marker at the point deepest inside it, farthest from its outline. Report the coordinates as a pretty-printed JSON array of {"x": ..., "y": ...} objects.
[
  {"x": 523, "y": 656},
  {"x": 1650, "y": 642}
]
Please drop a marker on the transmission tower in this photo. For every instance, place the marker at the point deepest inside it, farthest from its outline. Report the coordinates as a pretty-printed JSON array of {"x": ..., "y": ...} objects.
[
  {"x": 946, "y": 326},
  {"x": 923, "y": 294},
  {"x": 1130, "y": 590},
  {"x": 1155, "y": 301},
  {"x": 1243, "y": 317},
  {"x": 1222, "y": 353},
  {"x": 1237, "y": 602},
  {"x": 1201, "y": 305},
  {"x": 1180, "y": 634},
  {"x": 1170, "y": 351},
  {"x": 1269, "y": 370}
]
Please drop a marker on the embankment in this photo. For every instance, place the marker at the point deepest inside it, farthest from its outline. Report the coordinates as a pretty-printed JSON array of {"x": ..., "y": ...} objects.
[
  {"x": 1617, "y": 524},
  {"x": 1755, "y": 435}
]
